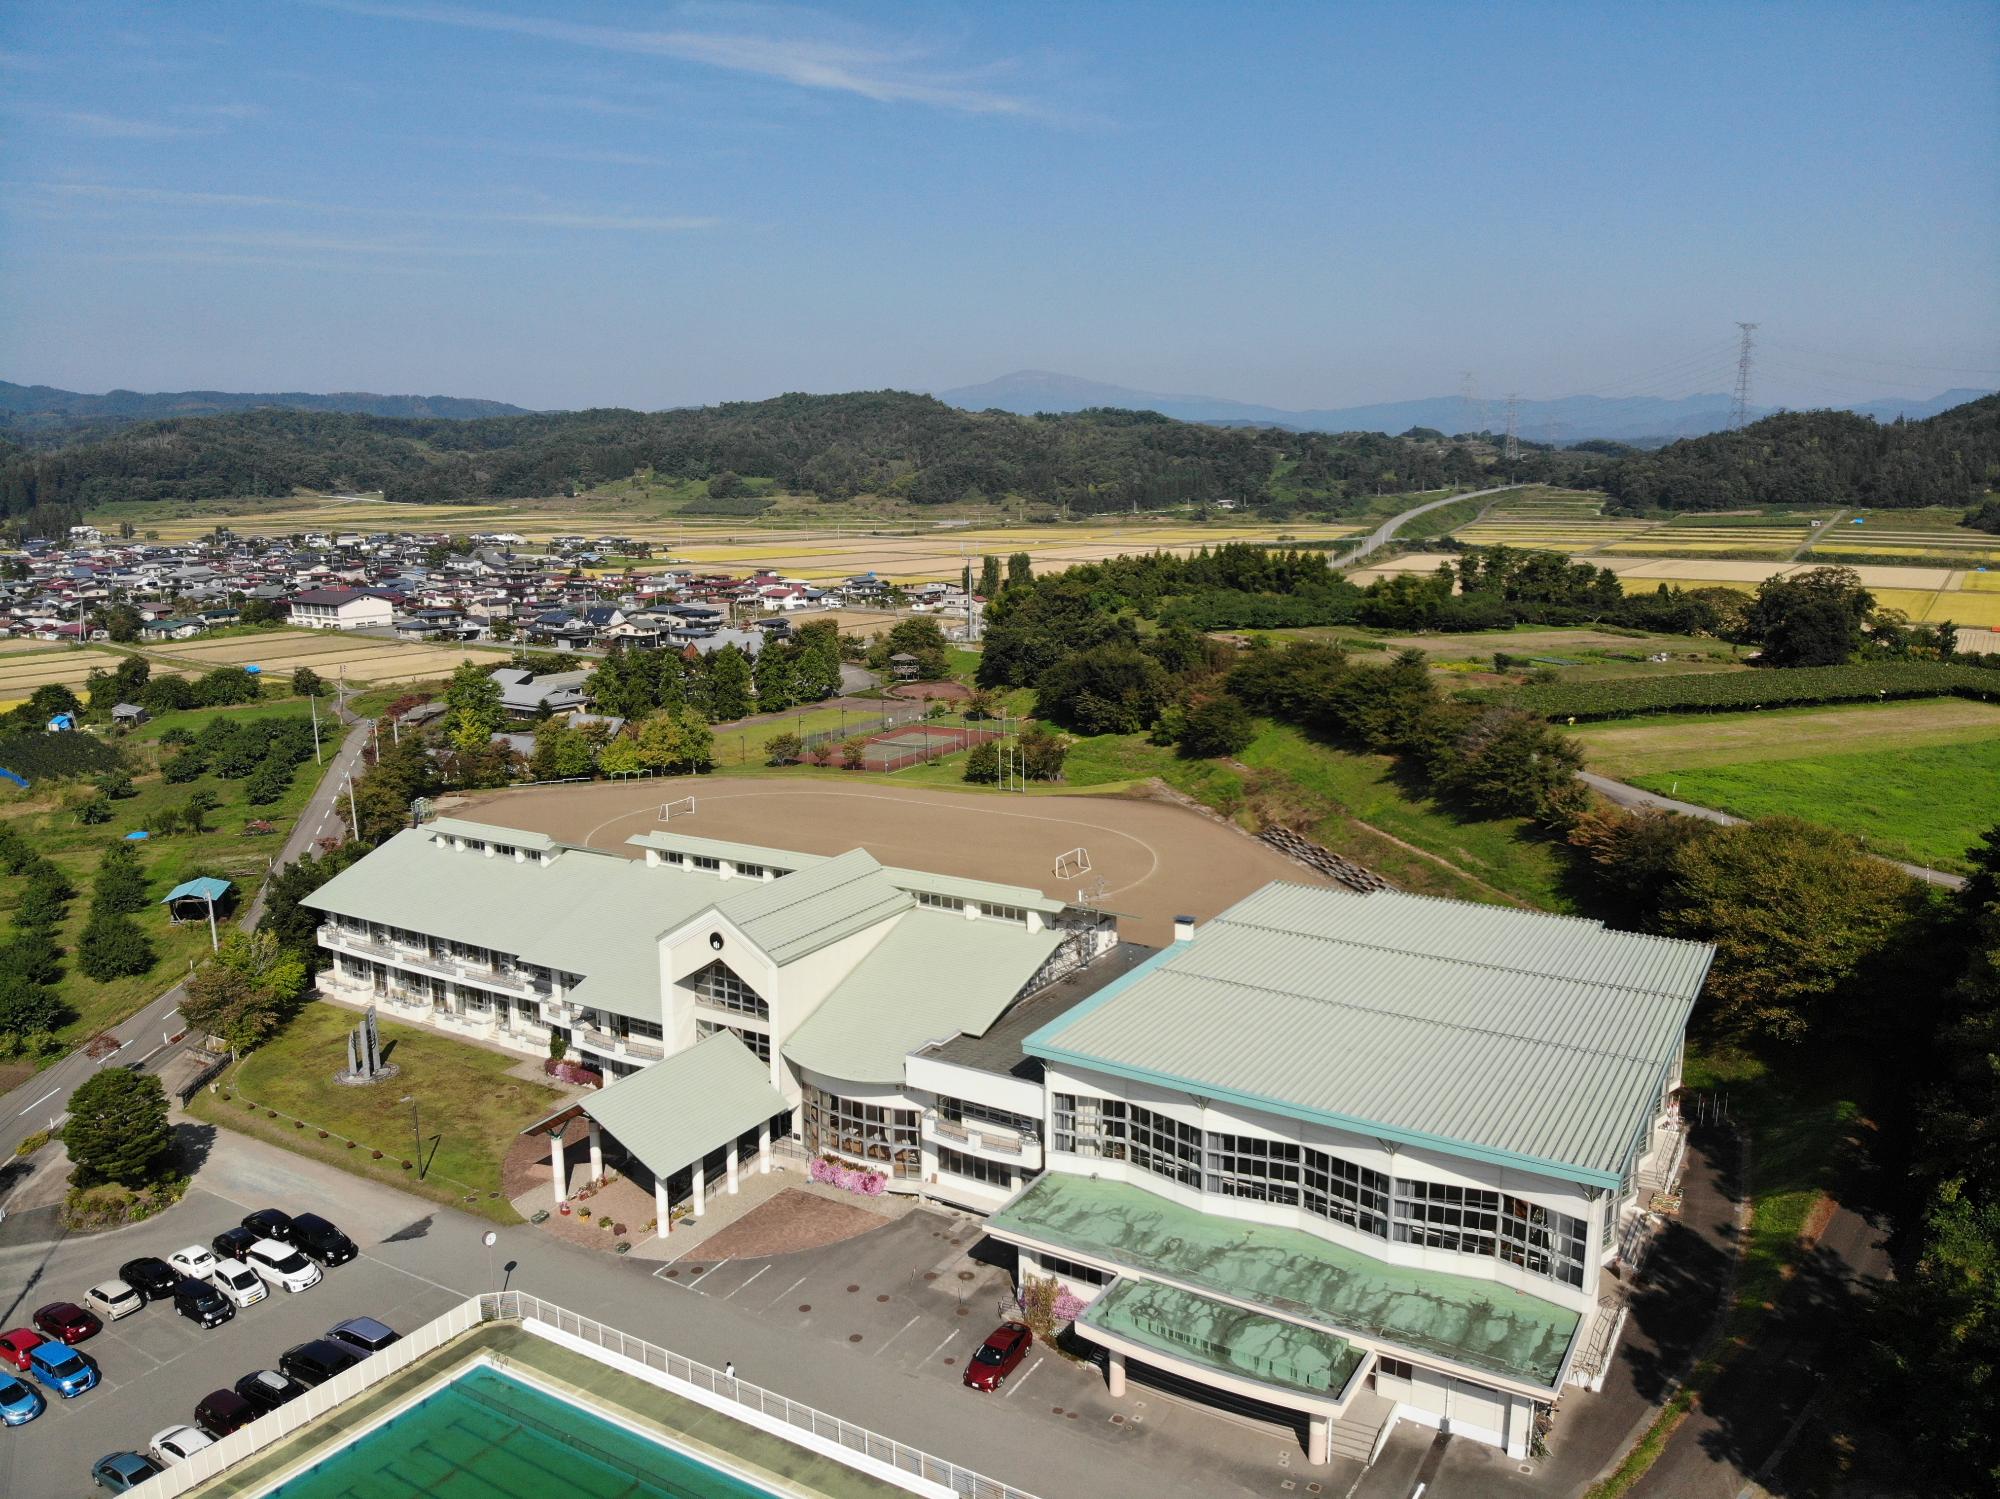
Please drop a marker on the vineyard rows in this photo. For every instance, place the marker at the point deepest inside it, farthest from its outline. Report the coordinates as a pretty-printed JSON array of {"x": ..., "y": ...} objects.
[{"x": 1797, "y": 687}]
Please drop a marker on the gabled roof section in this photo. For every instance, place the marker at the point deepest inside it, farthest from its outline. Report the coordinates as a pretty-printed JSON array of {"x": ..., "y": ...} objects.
[
  {"x": 720, "y": 848},
  {"x": 456, "y": 827},
  {"x": 812, "y": 907},
  {"x": 674, "y": 1112},
  {"x": 933, "y": 977},
  {"x": 1507, "y": 1036},
  {"x": 1024, "y": 896}
]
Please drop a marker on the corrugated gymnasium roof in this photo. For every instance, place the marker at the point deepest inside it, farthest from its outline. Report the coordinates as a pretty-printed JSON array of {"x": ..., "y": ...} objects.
[
  {"x": 721, "y": 848},
  {"x": 1024, "y": 896},
  {"x": 812, "y": 907},
  {"x": 458, "y": 827},
  {"x": 933, "y": 977},
  {"x": 674, "y": 1112},
  {"x": 1498, "y": 1034}
]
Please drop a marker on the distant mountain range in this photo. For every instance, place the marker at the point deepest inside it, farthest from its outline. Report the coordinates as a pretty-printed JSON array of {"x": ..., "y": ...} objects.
[
  {"x": 1634, "y": 419},
  {"x": 44, "y": 408}
]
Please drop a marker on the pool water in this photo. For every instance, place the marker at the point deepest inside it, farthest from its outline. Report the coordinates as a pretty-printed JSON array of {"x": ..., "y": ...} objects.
[{"x": 486, "y": 1436}]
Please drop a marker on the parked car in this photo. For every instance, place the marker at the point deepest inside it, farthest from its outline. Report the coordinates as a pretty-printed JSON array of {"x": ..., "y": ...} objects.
[
  {"x": 112, "y": 1299},
  {"x": 176, "y": 1444},
  {"x": 16, "y": 1344},
  {"x": 220, "y": 1412},
  {"x": 20, "y": 1402},
  {"x": 269, "y": 1223},
  {"x": 267, "y": 1389},
  {"x": 322, "y": 1240},
  {"x": 195, "y": 1262},
  {"x": 152, "y": 1277},
  {"x": 282, "y": 1267},
  {"x": 66, "y": 1322},
  {"x": 231, "y": 1243},
  {"x": 119, "y": 1471},
  {"x": 239, "y": 1283},
  {"x": 62, "y": 1369},
  {"x": 999, "y": 1356},
  {"x": 316, "y": 1362},
  {"x": 202, "y": 1304},
  {"x": 364, "y": 1333}
]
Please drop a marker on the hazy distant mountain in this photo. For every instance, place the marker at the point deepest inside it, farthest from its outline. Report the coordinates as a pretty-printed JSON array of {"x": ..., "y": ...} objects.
[
  {"x": 1565, "y": 419},
  {"x": 43, "y": 408}
]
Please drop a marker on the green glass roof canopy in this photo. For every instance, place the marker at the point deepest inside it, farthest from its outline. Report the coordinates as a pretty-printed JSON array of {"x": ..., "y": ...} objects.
[
  {"x": 1227, "y": 1338},
  {"x": 1301, "y": 1277}
]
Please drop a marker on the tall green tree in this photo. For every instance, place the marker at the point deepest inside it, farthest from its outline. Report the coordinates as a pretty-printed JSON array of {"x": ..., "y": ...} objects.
[
  {"x": 113, "y": 947},
  {"x": 1813, "y": 618},
  {"x": 989, "y": 577},
  {"x": 729, "y": 685},
  {"x": 1020, "y": 570},
  {"x": 473, "y": 712},
  {"x": 120, "y": 884},
  {"x": 117, "y": 1129}
]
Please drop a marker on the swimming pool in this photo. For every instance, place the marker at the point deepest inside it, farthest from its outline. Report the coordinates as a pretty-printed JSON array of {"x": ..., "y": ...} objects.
[{"x": 488, "y": 1436}]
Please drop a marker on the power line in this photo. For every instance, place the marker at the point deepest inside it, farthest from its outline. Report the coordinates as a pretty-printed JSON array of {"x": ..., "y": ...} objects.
[
  {"x": 1907, "y": 364},
  {"x": 1739, "y": 409}
]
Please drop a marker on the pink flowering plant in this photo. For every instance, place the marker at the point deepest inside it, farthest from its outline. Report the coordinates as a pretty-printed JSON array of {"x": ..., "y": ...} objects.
[{"x": 847, "y": 1178}]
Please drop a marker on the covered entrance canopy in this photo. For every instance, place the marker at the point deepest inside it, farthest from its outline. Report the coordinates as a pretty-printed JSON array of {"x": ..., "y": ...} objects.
[{"x": 674, "y": 1114}]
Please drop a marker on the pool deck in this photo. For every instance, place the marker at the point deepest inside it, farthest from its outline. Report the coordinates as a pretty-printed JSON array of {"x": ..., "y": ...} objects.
[{"x": 768, "y": 1460}]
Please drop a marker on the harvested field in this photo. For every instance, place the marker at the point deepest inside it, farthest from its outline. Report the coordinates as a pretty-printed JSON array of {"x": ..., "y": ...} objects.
[
  {"x": 1639, "y": 746},
  {"x": 363, "y": 658},
  {"x": 21, "y": 674},
  {"x": 1156, "y": 859},
  {"x": 17, "y": 644}
]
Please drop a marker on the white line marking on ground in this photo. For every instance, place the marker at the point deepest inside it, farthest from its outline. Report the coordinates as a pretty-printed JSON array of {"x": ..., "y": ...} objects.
[
  {"x": 39, "y": 1102},
  {"x": 745, "y": 1284},
  {"x": 898, "y": 1333},
  {"x": 1014, "y": 1388},
  {"x": 708, "y": 1272},
  {"x": 947, "y": 1338},
  {"x": 786, "y": 1292}
]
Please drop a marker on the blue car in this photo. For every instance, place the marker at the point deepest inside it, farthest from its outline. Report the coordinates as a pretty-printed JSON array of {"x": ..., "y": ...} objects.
[
  {"x": 62, "y": 1369},
  {"x": 119, "y": 1471},
  {"x": 19, "y": 1403}
]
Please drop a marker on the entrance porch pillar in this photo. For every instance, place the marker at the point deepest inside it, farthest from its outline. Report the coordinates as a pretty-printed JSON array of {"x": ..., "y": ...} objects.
[
  {"x": 699, "y": 1175},
  {"x": 1114, "y": 1376},
  {"x": 596, "y": 1152},
  {"x": 560, "y": 1165},
  {"x": 662, "y": 1209},
  {"x": 1319, "y": 1431},
  {"x": 764, "y": 1148},
  {"x": 729, "y": 1165}
]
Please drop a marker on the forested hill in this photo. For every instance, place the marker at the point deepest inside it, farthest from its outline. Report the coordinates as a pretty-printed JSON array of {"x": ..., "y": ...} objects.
[
  {"x": 836, "y": 446},
  {"x": 1820, "y": 458},
  {"x": 45, "y": 413}
]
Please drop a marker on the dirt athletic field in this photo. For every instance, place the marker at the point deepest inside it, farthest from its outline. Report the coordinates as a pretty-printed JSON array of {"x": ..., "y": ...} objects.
[{"x": 1156, "y": 860}]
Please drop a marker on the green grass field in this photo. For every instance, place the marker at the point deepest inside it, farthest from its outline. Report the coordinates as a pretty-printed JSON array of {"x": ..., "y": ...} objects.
[
  {"x": 471, "y": 1110},
  {"x": 1923, "y": 805}
]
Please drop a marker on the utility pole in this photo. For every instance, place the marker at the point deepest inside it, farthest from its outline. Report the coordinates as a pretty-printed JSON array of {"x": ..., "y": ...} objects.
[
  {"x": 314, "y": 700},
  {"x": 1739, "y": 409},
  {"x": 354, "y": 817}
]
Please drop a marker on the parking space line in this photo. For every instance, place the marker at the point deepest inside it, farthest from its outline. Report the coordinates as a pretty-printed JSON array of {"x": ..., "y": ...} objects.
[
  {"x": 1014, "y": 1388},
  {"x": 947, "y": 1338},
  {"x": 786, "y": 1292},
  {"x": 708, "y": 1272},
  {"x": 898, "y": 1333},
  {"x": 746, "y": 1284}
]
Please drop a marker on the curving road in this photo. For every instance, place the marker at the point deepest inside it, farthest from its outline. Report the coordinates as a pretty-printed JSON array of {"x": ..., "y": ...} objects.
[{"x": 1383, "y": 534}]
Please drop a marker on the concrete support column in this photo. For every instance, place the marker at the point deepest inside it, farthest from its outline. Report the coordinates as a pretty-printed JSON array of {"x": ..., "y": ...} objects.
[
  {"x": 1114, "y": 1376},
  {"x": 700, "y": 1172},
  {"x": 663, "y": 1210},
  {"x": 560, "y": 1166},
  {"x": 764, "y": 1148},
  {"x": 730, "y": 1163},
  {"x": 596, "y": 1152},
  {"x": 1319, "y": 1432}
]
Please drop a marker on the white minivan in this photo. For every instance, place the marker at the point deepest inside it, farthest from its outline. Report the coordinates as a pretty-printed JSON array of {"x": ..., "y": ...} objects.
[
  {"x": 238, "y": 1282},
  {"x": 281, "y": 1266}
]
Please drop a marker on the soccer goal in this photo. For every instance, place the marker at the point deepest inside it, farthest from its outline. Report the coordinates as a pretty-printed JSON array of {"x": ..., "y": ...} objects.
[
  {"x": 682, "y": 808},
  {"x": 1073, "y": 863}
]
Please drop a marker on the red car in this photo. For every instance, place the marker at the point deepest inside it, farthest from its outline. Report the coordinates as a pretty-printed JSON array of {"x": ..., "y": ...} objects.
[
  {"x": 999, "y": 1356},
  {"x": 14, "y": 1346},
  {"x": 67, "y": 1322}
]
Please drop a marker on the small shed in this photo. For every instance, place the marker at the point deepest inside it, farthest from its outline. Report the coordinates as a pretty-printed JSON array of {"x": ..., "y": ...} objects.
[
  {"x": 194, "y": 900},
  {"x": 905, "y": 666},
  {"x": 128, "y": 715}
]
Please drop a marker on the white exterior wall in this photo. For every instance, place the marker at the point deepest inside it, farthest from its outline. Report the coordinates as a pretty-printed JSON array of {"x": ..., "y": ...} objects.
[{"x": 353, "y": 614}]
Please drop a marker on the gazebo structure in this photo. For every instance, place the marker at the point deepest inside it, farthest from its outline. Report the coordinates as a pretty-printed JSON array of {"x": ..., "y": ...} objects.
[{"x": 699, "y": 1113}]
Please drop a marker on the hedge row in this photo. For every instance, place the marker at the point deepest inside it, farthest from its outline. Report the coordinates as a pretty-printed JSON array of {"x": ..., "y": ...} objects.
[{"x": 1730, "y": 692}]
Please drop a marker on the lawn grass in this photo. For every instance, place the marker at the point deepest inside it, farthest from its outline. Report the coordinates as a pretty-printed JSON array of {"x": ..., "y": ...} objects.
[
  {"x": 1922, "y": 805},
  {"x": 471, "y": 1111}
]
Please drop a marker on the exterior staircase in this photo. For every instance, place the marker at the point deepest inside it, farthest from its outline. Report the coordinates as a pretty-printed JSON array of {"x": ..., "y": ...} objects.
[{"x": 1355, "y": 1435}]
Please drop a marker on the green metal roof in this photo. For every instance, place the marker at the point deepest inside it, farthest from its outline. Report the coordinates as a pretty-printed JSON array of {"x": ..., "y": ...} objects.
[
  {"x": 1502, "y": 1035},
  {"x": 933, "y": 977},
  {"x": 1025, "y": 897},
  {"x": 674, "y": 1112},
  {"x": 1296, "y": 1275},
  {"x": 457, "y": 827},
  {"x": 803, "y": 912},
  {"x": 1227, "y": 1338},
  {"x": 720, "y": 848}
]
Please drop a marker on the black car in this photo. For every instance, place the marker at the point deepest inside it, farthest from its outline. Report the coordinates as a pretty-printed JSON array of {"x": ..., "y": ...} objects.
[
  {"x": 223, "y": 1411},
  {"x": 269, "y": 1223},
  {"x": 316, "y": 1362},
  {"x": 231, "y": 1242},
  {"x": 322, "y": 1240},
  {"x": 365, "y": 1333},
  {"x": 151, "y": 1277},
  {"x": 267, "y": 1389},
  {"x": 201, "y": 1303}
]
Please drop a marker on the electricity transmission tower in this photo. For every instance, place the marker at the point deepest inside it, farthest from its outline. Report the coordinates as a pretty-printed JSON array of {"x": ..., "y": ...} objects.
[
  {"x": 1513, "y": 450},
  {"x": 1739, "y": 409},
  {"x": 1477, "y": 419}
]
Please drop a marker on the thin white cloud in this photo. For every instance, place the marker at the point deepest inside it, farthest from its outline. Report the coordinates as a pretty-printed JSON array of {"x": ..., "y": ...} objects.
[
  {"x": 888, "y": 75},
  {"x": 324, "y": 244},
  {"x": 271, "y": 262},
  {"x": 223, "y": 111},
  {"x": 110, "y": 127}
]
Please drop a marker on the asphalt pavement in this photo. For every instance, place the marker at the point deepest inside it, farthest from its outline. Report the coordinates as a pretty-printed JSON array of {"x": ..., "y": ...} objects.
[{"x": 1383, "y": 534}]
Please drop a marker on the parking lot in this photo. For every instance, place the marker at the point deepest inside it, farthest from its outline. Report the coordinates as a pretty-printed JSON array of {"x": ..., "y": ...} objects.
[{"x": 154, "y": 1363}]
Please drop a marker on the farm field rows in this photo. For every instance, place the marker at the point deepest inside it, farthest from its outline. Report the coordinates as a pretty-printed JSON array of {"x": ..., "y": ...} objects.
[
  {"x": 364, "y": 658},
  {"x": 20, "y": 675}
]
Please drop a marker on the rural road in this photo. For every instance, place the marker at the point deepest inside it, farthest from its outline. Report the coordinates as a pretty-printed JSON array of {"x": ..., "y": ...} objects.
[
  {"x": 145, "y": 1037},
  {"x": 1631, "y": 796},
  {"x": 1384, "y": 533}
]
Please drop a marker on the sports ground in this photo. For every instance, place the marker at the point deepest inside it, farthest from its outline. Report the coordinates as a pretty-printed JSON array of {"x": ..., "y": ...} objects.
[{"x": 1155, "y": 860}]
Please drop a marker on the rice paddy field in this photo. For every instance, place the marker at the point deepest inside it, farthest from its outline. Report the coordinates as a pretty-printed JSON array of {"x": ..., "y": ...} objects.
[
  {"x": 1916, "y": 780},
  {"x": 22, "y": 671},
  {"x": 330, "y": 653}
]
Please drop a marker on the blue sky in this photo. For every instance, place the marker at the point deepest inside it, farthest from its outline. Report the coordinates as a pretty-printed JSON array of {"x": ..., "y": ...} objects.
[{"x": 566, "y": 204}]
